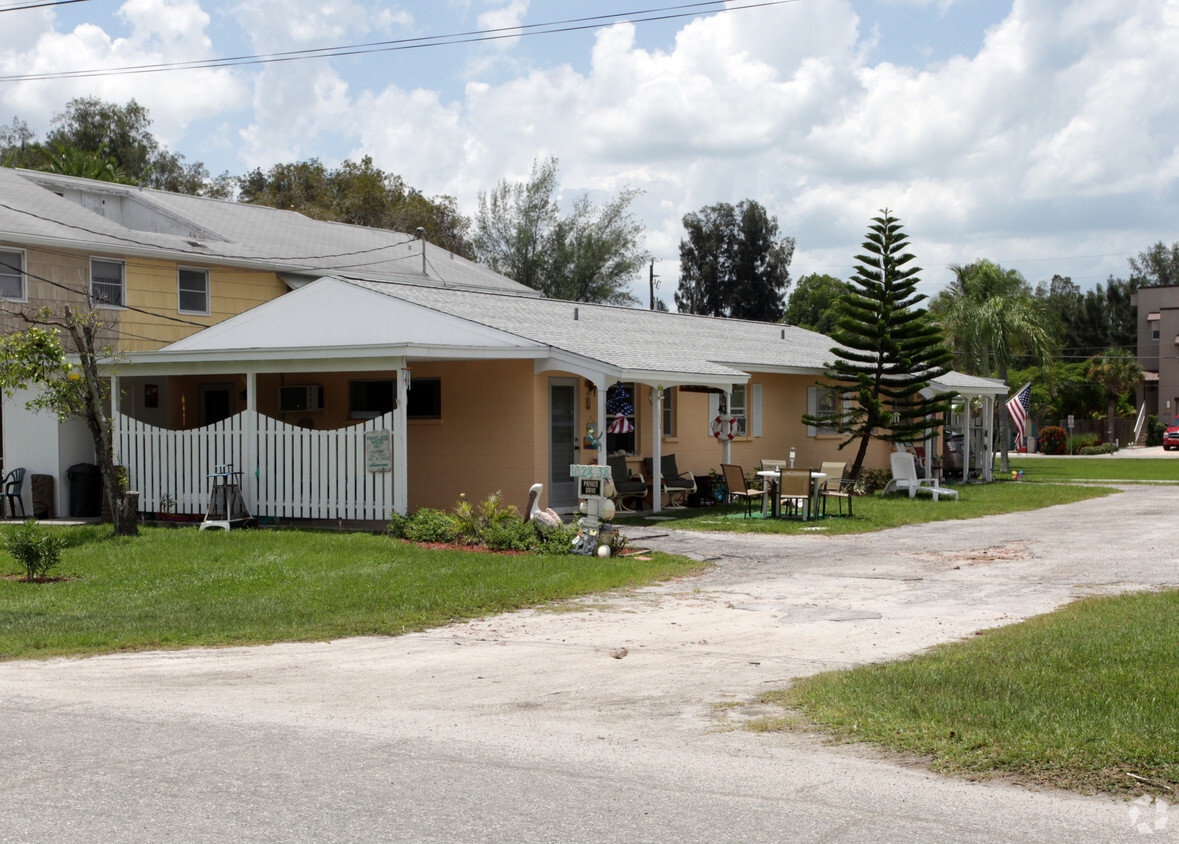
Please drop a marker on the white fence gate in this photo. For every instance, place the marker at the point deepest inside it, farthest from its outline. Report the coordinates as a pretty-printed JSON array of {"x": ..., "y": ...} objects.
[{"x": 300, "y": 473}]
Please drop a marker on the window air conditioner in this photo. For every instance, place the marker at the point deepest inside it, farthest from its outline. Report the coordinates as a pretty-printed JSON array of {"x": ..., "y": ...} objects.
[{"x": 300, "y": 399}]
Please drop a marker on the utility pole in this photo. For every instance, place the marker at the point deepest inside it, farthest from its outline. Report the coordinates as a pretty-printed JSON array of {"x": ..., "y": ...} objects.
[{"x": 653, "y": 285}]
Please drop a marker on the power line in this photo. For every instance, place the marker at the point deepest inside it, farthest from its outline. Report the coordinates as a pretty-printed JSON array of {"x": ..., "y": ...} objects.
[
  {"x": 42, "y": 5},
  {"x": 663, "y": 13}
]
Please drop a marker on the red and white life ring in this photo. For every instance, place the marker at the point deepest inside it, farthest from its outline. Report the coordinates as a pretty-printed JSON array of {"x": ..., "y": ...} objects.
[{"x": 722, "y": 427}]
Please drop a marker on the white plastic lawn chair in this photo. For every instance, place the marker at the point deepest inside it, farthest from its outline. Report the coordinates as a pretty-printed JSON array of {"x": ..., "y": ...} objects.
[{"x": 904, "y": 479}]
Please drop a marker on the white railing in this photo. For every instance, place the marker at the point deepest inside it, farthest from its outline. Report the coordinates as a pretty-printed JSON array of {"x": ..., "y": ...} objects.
[
  {"x": 300, "y": 473},
  {"x": 1138, "y": 424}
]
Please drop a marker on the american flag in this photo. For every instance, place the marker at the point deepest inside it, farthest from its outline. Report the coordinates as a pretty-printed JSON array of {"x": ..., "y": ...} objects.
[{"x": 1018, "y": 406}]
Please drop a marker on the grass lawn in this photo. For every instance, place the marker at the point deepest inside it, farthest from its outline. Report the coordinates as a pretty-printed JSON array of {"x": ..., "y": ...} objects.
[
  {"x": 875, "y": 513},
  {"x": 172, "y": 588},
  {"x": 1084, "y": 698},
  {"x": 1096, "y": 468}
]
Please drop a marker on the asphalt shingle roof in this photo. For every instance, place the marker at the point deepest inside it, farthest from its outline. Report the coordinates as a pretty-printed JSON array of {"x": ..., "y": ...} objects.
[{"x": 218, "y": 231}]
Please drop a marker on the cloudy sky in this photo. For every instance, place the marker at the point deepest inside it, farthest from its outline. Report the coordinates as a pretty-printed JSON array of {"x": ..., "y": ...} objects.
[{"x": 1041, "y": 134}]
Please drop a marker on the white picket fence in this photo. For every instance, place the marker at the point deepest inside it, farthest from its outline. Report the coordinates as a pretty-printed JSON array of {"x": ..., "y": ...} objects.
[{"x": 300, "y": 473}]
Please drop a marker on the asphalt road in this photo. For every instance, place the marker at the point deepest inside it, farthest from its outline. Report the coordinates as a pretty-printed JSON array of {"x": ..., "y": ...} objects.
[{"x": 525, "y": 727}]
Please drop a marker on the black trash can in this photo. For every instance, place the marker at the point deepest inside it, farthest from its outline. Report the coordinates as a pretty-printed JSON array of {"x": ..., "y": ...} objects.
[{"x": 85, "y": 490}]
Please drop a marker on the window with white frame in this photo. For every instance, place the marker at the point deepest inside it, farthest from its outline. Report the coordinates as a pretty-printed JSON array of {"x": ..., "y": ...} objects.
[
  {"x": 107, "y": 283},
  {"x": 12, "y": 275},
  {"x": 822, "y": 401},
  {"x": 669, "y": 401},
  {"x": 738, "y": 407},
  {"x": 192, "y": 290}
]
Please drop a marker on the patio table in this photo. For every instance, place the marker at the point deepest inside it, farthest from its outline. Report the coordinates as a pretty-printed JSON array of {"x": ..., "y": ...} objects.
[{"x": 770, "y": 493}]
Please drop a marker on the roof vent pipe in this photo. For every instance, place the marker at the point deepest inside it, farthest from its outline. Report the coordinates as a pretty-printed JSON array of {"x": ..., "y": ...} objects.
[
  {"x": 575, "y": 314},
  {"x": 421, "y": 233},
  {"x": 783, "y": 333}
]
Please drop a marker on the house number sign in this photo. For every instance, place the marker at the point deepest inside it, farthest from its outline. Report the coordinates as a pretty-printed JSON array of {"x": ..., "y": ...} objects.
[{"x": 378, "y": 451}]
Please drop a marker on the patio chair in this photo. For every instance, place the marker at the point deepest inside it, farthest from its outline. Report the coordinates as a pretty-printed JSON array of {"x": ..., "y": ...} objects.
[
  {"x": 735, "y": 481},
  {"x": 794, "y": 493},
  {"x": 904, "y": 479},
  {"x": 836, "y": 487},
  {"x": 774, "y": 465},
  {"x": 13, "y": 493},
  {"x": 625, "y": 485},
  {"x": 673, "y": 482}
]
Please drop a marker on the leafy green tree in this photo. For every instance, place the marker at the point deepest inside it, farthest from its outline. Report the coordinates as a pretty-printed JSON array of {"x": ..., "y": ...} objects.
[
  {"x": 99, "y": 140},
  {"x": 1060, "y": 389},
  {"x": 124, "y": 134},
  {"x": 812, "y": 304},
  {"x": 361, "y": 194},
  {"x": 18, "y": 146},
  {"x": 1091, "y": 320},
  {"x": 991, "y": 319},
  {"x": 733, "y": 263},
  {"x": 590, "y": 255},
  {"x": 1157, "y": 266},
  {"x": 1116, "y": 371},
  {"x": 888, "y": 352},
  {"x": 37, "y": 358},
  {"x": 71, "y": 161}
]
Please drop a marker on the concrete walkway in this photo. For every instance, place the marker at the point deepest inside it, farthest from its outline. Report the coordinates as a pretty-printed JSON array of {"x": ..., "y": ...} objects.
[{"x": 530, "y": 727}]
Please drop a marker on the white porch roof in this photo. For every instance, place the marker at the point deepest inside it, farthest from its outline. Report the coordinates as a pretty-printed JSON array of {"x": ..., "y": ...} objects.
[{"x": 358, "y": 318}]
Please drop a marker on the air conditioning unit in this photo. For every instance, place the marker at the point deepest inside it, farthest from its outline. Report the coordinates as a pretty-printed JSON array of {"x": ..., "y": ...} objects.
[{"x": 300, "y": 399}]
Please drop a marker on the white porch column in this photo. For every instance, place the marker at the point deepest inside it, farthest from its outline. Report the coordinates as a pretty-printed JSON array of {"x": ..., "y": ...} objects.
[
  {"x": 116, "y": 414},
  {"x": 657, "y": 449},
  {"x": 601, "y": 385},
  {"x": 726, "y": 443},
  {"x": 966, "y": 441},
  {"x": 400, "y": 471},
  {"x": 929, "y": 453},
  {"x": 251, "y": 482},
  {"x": 989, "y": 437}
]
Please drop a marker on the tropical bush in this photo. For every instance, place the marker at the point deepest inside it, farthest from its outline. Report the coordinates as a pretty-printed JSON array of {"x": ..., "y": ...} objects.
[
  {"x": 475, "y": 520},
  {"x": 1154, "y": 431},
  {"x": 34, "y": 548},
  {"x": 488, "y": 523},
  {"x": 1053, "y": 439},
  {"x": 871, "y": 480},
  {"x": 430, "y": 525},
  {"x": 1084, "y": 441}
]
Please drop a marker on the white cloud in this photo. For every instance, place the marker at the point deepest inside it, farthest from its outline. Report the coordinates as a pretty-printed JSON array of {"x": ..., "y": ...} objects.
[{"x": 160, "y": 31}]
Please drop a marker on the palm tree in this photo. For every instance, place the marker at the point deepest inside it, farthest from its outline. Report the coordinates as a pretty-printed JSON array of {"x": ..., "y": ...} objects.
[
  {"x": 1116, "y": 370},
  {"x": 990, "y": 317}
]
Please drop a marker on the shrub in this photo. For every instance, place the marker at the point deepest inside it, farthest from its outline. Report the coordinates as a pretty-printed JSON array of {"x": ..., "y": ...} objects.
[
  {"x": 871, "y": 480},
  {"x": 398, "y": 524},
  {"x": 510, "y": 535},
  {"x": 1083, "y": 441},
  {"x": 474, "y": 520},
  {"x": 429, "y": 525},
  {"x": 1154, "y": 431},
  {"x": 1104, "y": 448},
  {"x": 1053, "y": 439},
  {"x": 34, "y": 548},
  {"x": 557, "y": 539}
]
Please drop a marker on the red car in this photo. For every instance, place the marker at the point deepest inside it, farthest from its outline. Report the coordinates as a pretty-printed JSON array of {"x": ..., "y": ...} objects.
[{"x": 1171, "y": 435}]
